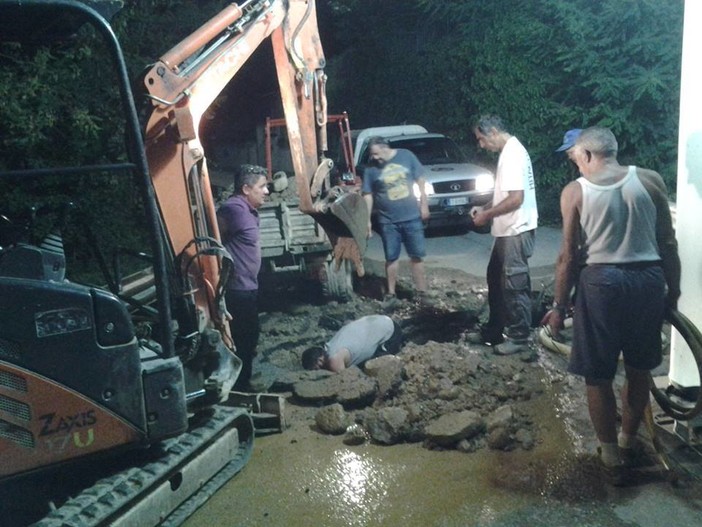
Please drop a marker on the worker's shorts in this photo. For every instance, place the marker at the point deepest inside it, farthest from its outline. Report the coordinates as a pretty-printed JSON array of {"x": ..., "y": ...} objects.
[
  {"x": 410, "y": 233},
  {"x": 619, "y": 308}
]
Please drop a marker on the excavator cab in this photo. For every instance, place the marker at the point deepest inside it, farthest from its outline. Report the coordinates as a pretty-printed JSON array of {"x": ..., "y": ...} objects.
[
  {"x": 103, "y": 349},
  {"x": 114, "y": 331}
]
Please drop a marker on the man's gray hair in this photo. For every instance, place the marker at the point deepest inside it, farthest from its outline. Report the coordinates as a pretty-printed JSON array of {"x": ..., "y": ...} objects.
[
  {"x": 248, "y": 175},
  {"x": 598, "y": 140},
  {"x": 485, "y": 123}
]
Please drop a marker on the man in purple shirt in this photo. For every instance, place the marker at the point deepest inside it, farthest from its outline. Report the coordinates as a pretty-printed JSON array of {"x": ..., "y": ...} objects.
[{"x": 239, "y": 228}]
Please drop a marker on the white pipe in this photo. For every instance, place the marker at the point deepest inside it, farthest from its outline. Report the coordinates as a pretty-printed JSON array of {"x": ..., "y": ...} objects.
[{"x": 683, "y": 371}]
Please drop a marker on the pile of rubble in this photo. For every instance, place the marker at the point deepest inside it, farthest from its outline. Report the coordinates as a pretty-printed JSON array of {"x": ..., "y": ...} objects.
[{"x": 439, "y": 390}]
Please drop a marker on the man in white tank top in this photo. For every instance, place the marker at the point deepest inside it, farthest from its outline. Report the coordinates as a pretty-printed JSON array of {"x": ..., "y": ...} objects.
[{"x": 619, "y": 246}]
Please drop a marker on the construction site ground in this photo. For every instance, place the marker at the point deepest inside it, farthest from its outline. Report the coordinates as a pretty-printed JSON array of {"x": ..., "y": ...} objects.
[{"x": 347, "y": 458}]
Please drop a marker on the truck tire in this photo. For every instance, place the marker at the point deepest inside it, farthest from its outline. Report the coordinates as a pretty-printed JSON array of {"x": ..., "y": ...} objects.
[{"x": 337, "y": 284}]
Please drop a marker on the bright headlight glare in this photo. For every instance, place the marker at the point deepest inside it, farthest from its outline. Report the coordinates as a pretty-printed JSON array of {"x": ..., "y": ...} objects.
[
  {"x": 428, "y": 189},
  {"x": 484, "y": 182}
]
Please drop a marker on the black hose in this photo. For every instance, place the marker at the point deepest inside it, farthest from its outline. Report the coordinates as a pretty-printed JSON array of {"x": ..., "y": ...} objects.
[{"x": 693, "y": 338}]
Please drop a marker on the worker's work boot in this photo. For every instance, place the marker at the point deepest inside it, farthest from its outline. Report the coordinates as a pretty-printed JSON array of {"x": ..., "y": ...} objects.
[
  {"x": 426, "y": 300},
  {"x": 616, "y": 475}
]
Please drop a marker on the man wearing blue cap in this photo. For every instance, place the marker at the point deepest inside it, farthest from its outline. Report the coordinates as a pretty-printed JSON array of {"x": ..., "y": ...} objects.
[
  {"x": 569, "y": 139},
  {"x": 619, "y": 247}
]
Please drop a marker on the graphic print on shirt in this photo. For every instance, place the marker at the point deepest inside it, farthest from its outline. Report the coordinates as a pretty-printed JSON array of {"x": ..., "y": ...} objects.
[{"x": 394, "y": 177}]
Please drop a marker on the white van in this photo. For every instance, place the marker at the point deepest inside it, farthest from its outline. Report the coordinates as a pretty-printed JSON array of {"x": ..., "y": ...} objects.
[{"x": 360, "y": 137}]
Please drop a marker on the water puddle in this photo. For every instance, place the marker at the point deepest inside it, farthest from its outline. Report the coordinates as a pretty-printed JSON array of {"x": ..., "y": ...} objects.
[{"x": 302, "y": 478}]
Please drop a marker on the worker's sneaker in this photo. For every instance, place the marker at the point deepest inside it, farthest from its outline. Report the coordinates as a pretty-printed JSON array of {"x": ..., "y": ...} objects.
[
  {"x": 510, "y": 347},
  {"x": 616, "y": 475},
  {"x": 483, "y": 337},
  {"x": 425, "y": 300},
  {"x": 390, "y": 302}
]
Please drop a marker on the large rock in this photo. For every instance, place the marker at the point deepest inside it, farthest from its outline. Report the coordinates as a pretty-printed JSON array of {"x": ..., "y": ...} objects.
[
  {"x": 332, "y": 419},
  {"x": 388, "y": 425},
  {"x": 350, "y": 387},
  {"x": 500, "y": 418},
  {"x": 286, "y": 381},
  {"x": 453, "y": 427},
  {"x": 388, "y": 371}
]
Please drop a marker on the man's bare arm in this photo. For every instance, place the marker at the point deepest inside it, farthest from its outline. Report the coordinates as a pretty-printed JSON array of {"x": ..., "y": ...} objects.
[
  {"x": 567, "y": 262},
  {"x": 665, "y": 233},
  {"x": 369, "y": 204},
  {"x": 423, "y": 203},
  {"x": 339, "y": 361}
]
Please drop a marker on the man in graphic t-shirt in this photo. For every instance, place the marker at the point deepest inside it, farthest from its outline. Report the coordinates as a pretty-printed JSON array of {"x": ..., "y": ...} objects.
[{"x": 388, "y": 188}]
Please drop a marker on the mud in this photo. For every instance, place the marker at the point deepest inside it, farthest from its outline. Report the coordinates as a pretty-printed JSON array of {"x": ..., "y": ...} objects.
[{"x": 440, "y": 390}]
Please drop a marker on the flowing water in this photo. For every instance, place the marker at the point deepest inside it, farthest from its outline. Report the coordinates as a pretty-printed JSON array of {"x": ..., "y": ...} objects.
[{"x": 302, "y": 478}]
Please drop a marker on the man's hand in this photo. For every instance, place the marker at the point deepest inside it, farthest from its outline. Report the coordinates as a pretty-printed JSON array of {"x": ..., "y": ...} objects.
[
  {"x": 424, "y": 211},
  {"x": 554, "y": 320},
  {"x": 479, "y": 216}
]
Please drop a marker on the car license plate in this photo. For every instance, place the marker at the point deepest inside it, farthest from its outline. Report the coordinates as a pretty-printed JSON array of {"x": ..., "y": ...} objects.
[{"x": 452, "y": 202}]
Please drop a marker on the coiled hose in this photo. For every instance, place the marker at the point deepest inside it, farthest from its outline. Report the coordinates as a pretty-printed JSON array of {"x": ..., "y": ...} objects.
[
  {"x": 688, "y": 332},
  {"x": 693, "y": 338}
]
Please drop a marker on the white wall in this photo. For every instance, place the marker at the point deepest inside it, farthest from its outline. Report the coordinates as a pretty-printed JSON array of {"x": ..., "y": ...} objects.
[{"x": 689, "y": 192}]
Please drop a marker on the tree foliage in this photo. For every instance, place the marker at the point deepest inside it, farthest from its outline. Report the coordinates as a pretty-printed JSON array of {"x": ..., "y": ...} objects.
[{"x": 543, "y": 65}]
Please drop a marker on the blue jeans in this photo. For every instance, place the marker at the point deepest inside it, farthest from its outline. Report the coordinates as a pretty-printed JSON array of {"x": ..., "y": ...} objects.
[
  {"x": 410, "y": 233},
  {"x": 509, "y": 286}
]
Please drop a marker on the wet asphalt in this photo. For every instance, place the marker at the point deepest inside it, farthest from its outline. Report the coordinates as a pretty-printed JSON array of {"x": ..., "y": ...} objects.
[
  {"x": 297, "y": 479},
  {"x": 470, "y": 252}
]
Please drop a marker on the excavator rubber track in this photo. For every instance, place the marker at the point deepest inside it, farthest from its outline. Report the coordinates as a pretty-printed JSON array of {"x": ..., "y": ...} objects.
[{"x": 167, "y": 490}]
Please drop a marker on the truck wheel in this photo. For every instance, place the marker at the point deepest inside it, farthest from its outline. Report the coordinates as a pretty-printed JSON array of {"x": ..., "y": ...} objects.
[{"x": 337, "y": 284}]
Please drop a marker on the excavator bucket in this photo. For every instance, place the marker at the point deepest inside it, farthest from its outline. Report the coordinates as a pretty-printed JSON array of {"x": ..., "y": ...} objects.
[{"x": 351, "y": 209}]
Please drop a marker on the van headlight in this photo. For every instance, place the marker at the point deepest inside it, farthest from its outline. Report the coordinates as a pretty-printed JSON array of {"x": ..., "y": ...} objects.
[
  {"x": 484, "y": 182},
  {"x": 428, "y": 189}
]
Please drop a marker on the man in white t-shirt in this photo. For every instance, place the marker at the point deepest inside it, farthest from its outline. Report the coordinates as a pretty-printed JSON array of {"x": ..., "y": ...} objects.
[{"x": 514, "y": 217}]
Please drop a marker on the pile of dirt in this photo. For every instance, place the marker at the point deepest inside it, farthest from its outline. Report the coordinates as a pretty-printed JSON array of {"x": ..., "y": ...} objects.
[{"x": 439, "y": 390}]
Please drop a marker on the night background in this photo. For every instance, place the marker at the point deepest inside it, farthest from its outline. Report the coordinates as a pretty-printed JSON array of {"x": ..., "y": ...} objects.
[{"x": 545, "y": 66}]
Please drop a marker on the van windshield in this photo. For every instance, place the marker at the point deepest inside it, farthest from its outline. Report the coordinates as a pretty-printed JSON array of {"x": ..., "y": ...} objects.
[{"x": 431, "y": 150}]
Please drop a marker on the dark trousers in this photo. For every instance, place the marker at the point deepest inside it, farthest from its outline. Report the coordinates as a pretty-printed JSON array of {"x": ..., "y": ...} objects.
[
  {"x": 509, "y": 286},
  {"x": 393, "y": 345},
  {"x": 245, "y": 329}
]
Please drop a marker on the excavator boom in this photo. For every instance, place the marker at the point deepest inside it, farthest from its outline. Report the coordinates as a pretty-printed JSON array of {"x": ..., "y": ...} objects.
[{"x": 93, "y": 370}]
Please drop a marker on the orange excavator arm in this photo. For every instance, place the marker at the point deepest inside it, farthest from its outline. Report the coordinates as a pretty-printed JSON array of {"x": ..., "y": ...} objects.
[{"x": 181, "y": 86}]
